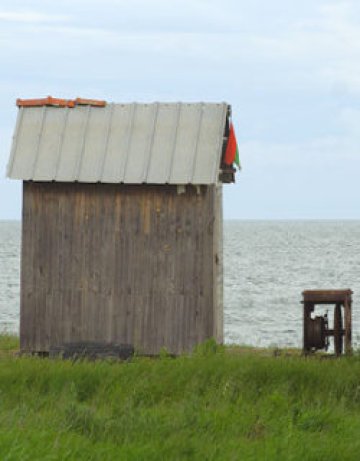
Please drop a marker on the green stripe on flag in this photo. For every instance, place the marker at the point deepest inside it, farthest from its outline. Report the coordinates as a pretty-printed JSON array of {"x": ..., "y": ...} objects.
[{"x": 237, "y": 158}]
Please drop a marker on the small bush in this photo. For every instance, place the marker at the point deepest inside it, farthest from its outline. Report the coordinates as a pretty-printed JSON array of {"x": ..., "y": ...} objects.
[
  {"x": 9, "y": 342},
  {"x": 208, "y": 348}
]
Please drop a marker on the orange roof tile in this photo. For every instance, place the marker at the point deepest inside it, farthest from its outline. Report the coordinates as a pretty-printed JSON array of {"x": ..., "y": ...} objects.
[
  {"x": 50, "y": 101},
  {"x": 89, "y": 102}
]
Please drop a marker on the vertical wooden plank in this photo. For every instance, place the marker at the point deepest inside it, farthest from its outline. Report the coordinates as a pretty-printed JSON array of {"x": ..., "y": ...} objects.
[
  {"x": 34, "y": 263},
  {"x": 348, "y": 326},
  {"x": 26, "y": 271},
  {"x": 218, "y": 294},
  {"x": 43, "y": 268},
  {"x": 79, "y": 226},
  {"x": 121, "y": 313}
]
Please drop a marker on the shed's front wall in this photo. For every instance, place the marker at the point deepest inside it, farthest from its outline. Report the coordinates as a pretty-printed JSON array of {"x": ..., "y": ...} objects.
[{"x": 134, "y": 264}]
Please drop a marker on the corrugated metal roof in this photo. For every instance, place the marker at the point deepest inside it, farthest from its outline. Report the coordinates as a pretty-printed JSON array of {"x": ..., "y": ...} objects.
[{"x": 175, "y": 143}]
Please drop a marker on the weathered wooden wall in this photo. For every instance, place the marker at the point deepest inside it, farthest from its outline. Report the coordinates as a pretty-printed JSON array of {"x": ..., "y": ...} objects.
[{"x": 132, "y": 264}]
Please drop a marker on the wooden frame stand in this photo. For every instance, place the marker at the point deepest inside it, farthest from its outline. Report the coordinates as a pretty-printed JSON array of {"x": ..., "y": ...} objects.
[{"x": 316, "y": 328}]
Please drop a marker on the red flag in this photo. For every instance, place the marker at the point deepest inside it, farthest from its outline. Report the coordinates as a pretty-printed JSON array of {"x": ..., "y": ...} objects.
[{"x": 232, "y": 152}]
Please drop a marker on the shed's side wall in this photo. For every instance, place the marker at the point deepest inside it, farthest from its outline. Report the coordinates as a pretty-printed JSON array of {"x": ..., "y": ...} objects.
[{"x": 131, "y": 264}]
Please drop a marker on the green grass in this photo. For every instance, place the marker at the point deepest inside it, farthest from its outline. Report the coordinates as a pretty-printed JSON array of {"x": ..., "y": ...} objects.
[{"x": 218, "y": 404}]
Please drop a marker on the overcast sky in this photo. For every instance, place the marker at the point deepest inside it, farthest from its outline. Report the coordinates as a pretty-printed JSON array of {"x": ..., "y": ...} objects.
[{"x": 290, "y": 70}]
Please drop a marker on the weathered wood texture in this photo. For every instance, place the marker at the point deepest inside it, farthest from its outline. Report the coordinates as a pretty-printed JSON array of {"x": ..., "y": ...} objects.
[{"x": 140, "y": 265}]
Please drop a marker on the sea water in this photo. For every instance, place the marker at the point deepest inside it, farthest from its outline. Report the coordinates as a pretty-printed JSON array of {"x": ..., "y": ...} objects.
[{"x": 267, "y": 265}]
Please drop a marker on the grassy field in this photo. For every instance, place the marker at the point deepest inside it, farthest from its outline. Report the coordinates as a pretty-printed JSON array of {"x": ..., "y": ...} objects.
[{"x": 218, "y": 404}]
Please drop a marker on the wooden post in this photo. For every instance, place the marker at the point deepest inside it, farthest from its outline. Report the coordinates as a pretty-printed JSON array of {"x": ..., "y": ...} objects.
[
  {"x": 308, "y": 308},
  {"x": 347, "y": 314},
  {"x": 304, "y": 328}
]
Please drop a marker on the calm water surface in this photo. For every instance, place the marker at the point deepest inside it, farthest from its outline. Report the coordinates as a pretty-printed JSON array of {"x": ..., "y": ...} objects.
[{"x": 267, "y": 266}]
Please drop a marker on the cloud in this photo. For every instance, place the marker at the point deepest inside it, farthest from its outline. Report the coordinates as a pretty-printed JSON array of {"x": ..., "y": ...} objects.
[
  {"x": 329, "y": 151},
  {"x": 319, "y": 47},
  {"x": 30, "y": 17},
  {"x": 349, "y": 118}
]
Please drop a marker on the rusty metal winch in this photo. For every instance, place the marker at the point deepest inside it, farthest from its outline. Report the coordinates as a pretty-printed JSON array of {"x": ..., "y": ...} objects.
[{"x": 316, "y": 328}]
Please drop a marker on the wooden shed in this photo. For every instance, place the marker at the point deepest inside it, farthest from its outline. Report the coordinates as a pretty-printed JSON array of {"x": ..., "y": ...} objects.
[{"x": 122, "y": 222}]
